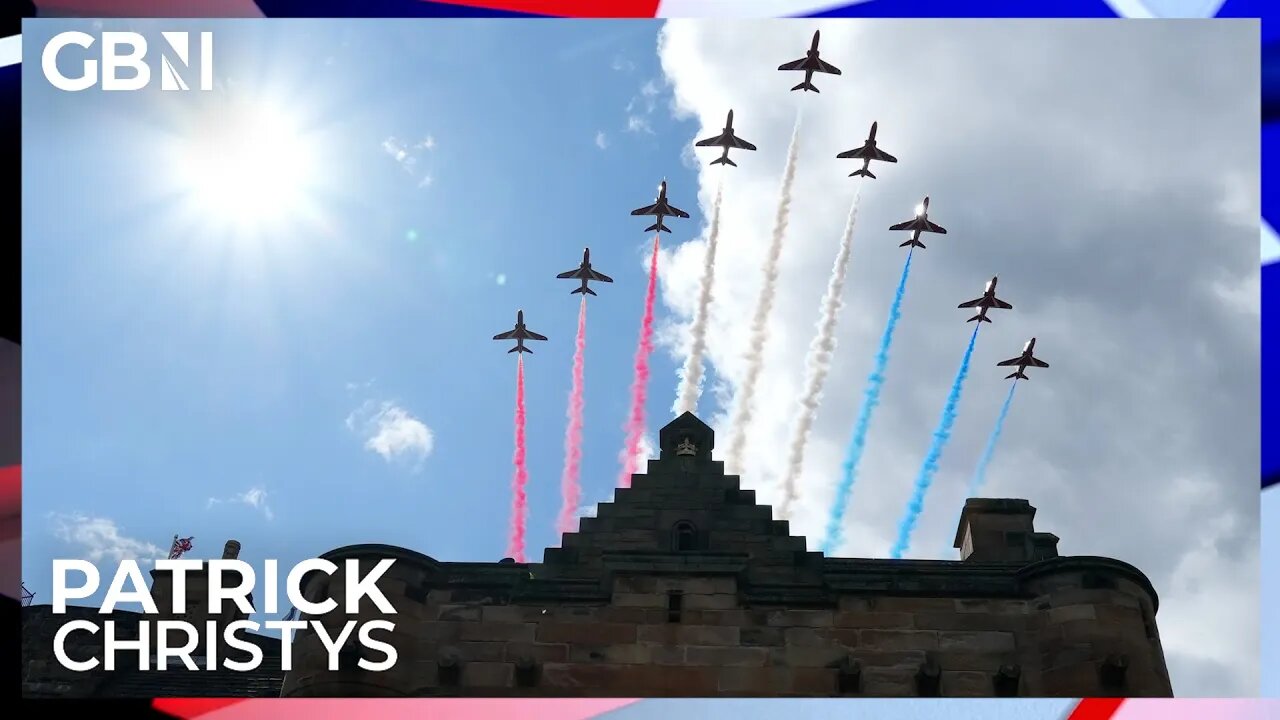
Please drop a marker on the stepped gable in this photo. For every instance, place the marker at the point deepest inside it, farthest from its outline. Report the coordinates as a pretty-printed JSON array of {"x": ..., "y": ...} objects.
[{"x": 684, "y": 516}]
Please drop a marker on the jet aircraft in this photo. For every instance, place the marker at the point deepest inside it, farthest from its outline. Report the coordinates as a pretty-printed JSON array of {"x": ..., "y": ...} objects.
[
  {"x": 920, "y": 224},
  {"x": 866, "y": 154},
  {"x": 585, "y": 273},
  {"x": 1023, "y": 361},
  {"x": 662, "y": 209},
  {"x": 727, "y": 140},
  {"x": 810, "y": 64},
  {"x": 519, "y": 333},
  {"x": 988, "y": 301}
]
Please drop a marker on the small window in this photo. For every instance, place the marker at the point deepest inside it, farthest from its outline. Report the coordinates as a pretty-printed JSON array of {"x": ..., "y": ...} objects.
[
  {"x": 675, "y": 603},
  {"x": 684, "y": 537}
]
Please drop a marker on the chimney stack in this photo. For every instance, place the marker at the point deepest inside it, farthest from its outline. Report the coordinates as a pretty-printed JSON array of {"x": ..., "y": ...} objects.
[
  {"x": 1001, "y": 530},
  {"x": 197, "y": 589}
]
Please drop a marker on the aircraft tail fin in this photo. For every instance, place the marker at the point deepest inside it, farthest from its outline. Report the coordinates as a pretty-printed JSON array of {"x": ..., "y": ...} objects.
[
  {"x": 724, "y": 161},
  {"x": 519, "y": 349},
  {"x": 864, "y": 172},
  {"x": 658, "y": 227},
  {"x": 912, "y": 243},
  {"x": 1017, "y": 375},
  {"x": 980, "y": 318},
  {"x": 805, "y": 86},
  {"x": 582, "y": 291}
]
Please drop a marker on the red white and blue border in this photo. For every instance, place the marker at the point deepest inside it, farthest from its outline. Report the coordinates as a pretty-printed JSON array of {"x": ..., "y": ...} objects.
[{"x": 551, "y": 709}]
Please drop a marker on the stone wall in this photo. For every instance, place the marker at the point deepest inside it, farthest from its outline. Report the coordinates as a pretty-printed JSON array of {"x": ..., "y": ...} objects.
[
  {"x": 44, "y": 677},
  {"x": 637, "y": 640},
  {"x": 42, "y": 674}
]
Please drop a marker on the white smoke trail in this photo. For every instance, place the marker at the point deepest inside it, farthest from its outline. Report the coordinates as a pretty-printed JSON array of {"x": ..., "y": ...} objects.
[
  {"x": 818, "y": 361},
  {"x": 759, "y": 324},
  {"x": 691, "y": 373}
]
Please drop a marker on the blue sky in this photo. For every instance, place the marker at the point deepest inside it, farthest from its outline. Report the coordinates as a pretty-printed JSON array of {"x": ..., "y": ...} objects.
[{"x": 178, "y": 359}]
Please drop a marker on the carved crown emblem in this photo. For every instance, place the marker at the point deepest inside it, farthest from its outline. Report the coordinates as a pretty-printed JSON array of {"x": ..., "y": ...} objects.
[{"x": 686, "y": 447}]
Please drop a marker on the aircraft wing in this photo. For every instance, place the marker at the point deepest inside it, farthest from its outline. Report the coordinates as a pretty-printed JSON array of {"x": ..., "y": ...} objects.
[
  {"x": 533, "y": 335},
  {"x": 858, "y": 153},
  {"x": 971, "y": 304},
  {"x": 908, "y": 225},
  {"x": 677, "y": 212},
  {"x": 600, "y": 277},
  {"x": 508, "y": 335},
  {"x": 794, "y": 64},
  {"x": 826, "y": 67},
  {"x": 646, "y": 210},
  {"x": 574, "y": 273},
  {"x": 742, "y": 144},
  {"x": 883, "y": 156},
  {"x": 936, "y": 228},
  {"x": 1002, "y": 304},
  {"x": 1037, "y": 362},
  {"x": 711, "y": 141},
  {"x": 1010, "y": 361}
]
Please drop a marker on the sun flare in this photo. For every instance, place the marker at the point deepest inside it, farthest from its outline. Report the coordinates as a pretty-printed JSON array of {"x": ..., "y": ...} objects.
[{"x": 247, "y": 166}]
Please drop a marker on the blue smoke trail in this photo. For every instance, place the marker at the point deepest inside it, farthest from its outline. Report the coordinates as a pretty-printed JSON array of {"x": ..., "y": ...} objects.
[
  {"x": 871, "y": 398},
  {"x": 930, "y": 467},
  {"x": 979, "y": 475}
]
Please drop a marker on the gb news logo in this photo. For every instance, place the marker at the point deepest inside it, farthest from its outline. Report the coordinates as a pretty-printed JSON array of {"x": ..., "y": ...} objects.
[
  {"x": 208, "y": 594},
  {"x": 75, "y": 61}
]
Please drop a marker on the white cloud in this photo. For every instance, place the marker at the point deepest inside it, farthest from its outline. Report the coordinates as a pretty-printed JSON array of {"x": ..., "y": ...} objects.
[
  {"x": 1112, "y": 206},
  {"x": 638, "y": 123},
  {"x": 99, "y": 539},
  {"x": 602, "y": 142},
  {"x": 646, "y": 451},
  {"x": 407, "y": 156},
  {"x": 641, "y": 107},
  {"x": 500, "y": 279},
  {"x": 1239, "y": 201},
  {"x": 398, "y": 152},
  {"x": 255, "y": 497},
  {"x": 622, "y": 64},
  {"x": 1203, "y": 623},
  {"x": 392, "y": 432}
]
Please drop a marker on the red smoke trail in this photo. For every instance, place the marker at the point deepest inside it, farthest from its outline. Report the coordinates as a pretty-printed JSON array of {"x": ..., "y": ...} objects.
[
  {"x": 640, "y": 385},
  {"x": 519, "y": 502},
  {"x": 570, "y": 492}
]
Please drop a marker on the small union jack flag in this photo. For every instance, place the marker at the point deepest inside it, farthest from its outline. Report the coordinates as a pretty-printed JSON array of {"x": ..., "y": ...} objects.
[{"x": 180, "y": 547}]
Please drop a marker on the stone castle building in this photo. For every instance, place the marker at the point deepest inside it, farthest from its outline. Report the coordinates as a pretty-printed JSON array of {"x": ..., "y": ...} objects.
[{"x": 685, "y": 586}]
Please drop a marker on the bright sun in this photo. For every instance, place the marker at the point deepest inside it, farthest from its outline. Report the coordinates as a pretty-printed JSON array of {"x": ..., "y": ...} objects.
[{"x": 248, "y": 166}]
